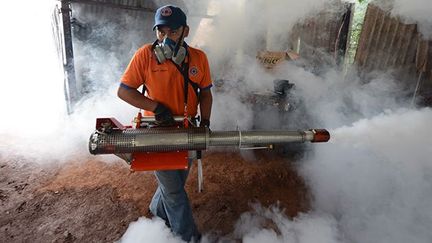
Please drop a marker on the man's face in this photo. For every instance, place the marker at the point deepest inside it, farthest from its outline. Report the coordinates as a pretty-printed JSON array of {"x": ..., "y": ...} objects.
[{"x": 163, "y": 32}]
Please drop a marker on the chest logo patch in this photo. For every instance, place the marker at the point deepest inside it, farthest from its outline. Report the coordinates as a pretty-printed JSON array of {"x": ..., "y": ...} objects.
[{"x": 193, "y": 71}]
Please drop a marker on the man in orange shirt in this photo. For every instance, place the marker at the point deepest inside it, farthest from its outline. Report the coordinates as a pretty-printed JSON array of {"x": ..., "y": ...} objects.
[{"x": 177, "y": 80}]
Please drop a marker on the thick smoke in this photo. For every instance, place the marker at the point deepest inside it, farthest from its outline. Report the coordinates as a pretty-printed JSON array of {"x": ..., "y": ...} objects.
[
  {"x": 374, "y": 178},
  {"x": 232, "y": 37},
  {"x": 312, "y": 227},
  {"x": 155, "y": 231}
]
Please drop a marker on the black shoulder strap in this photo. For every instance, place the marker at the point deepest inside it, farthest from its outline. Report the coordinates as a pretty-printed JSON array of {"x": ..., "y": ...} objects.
[{"x": 184, "y": 70}]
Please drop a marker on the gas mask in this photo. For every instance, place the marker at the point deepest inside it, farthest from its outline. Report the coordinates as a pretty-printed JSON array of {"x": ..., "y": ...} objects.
[{"x": 168, "y": 49}]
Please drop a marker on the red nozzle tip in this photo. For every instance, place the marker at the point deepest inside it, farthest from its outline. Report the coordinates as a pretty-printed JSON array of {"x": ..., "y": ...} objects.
[{"x": 320, "y": 135}]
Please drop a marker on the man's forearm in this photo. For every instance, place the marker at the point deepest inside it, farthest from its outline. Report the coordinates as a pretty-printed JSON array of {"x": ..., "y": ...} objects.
[
  {"x": 135, "y": 98},
  {"x": 206, "y": 100}
]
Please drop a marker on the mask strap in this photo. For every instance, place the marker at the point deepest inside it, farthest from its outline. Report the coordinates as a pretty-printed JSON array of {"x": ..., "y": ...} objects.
[
  {"x": 179, "y": 43},
  {"x": 155, "y": 43}
]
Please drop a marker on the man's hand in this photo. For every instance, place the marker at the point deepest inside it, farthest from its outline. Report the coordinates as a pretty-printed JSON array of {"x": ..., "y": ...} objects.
[
  {"x": 205, "y": 123},
  {"x": 163, "y": 116}
]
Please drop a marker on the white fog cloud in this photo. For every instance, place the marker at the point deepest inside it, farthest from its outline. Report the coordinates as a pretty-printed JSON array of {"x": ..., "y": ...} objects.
[{"x": 374, "y": 177}]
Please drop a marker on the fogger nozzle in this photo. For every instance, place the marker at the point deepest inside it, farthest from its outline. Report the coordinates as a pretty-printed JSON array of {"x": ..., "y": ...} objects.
[
  {"x": 320, "y": 135},
  {"x": 131, "y": 140}
]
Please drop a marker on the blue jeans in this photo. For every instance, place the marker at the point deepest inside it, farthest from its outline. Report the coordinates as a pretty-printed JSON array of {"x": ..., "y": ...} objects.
[{"x": 171, "y": 203}]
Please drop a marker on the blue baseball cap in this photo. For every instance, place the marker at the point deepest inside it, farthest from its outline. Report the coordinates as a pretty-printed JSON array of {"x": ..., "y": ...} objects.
[{"x": 170, "y": 16}]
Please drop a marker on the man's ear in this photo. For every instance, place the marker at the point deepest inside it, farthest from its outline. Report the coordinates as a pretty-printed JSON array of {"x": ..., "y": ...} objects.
[{"x": 186, "y": 31}]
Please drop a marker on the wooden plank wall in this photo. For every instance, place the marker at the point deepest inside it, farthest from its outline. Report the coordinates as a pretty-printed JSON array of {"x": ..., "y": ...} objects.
[
  {"x": 320, "y": 35},
  {"x": 386, "y": 43}
]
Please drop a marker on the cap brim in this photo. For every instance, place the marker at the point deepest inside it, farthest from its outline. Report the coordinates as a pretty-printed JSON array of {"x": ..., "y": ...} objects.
[{"x": 166, "y": 23}]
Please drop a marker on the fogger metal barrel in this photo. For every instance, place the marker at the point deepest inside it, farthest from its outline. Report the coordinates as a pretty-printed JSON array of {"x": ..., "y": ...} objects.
[{"x": 175, "y": 139}]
